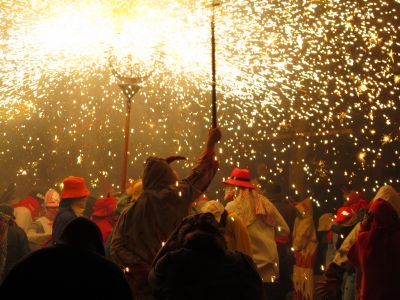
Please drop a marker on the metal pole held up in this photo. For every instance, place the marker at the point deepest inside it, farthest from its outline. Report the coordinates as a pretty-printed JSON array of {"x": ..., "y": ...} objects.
[{"x": 213, "y": 67}]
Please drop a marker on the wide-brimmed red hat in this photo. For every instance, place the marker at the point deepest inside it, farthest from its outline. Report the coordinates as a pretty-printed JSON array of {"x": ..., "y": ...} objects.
[
  {"x": 104, "y": 206},
  {"x": 74, "y": 187},
  {"x": 241, "y": 178}
]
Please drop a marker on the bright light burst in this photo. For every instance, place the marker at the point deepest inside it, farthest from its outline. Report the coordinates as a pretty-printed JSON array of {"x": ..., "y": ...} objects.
[{"x": 313, "y": 74}]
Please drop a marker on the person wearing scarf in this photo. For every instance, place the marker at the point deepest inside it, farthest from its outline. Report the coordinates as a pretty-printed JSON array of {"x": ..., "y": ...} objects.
[{"x": 263, "y": 222}]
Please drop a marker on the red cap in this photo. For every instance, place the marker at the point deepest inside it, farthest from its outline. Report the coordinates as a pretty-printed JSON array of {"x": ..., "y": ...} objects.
[
  {"x": 240, "y": 177},
  {"x": 104, "y": 206},
  {"x": 74, "y": 187},
  {"x": 344, "y": 214}
]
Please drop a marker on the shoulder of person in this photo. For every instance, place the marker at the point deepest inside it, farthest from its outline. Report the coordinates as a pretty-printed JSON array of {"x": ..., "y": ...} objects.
[
  {"x": 172, "y": 258},
  {"x": 242, "y": 260}
]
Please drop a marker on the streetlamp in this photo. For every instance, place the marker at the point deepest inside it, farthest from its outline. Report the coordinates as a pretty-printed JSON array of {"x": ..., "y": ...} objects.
[{"x": 129, "y": 86}]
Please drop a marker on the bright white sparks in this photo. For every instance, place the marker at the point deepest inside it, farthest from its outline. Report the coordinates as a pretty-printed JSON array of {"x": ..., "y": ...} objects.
[{"x": 332, "y": 65}]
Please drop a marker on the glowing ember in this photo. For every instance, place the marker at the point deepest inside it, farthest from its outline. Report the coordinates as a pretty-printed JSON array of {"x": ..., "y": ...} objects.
[{"x": 331, "y": 65}]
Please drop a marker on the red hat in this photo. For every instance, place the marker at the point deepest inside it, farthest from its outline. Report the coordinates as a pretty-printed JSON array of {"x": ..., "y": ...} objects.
[
  {"x": 74, "y": 187},
  {"x": 52, "y": 198},
  {"x": 240, "y": 177},
  {"x": 104, "y": 206},
  {"x": 344, "y": 214}
]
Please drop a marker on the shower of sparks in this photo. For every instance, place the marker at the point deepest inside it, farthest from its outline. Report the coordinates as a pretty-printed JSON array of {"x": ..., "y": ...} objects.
[{"x": 320, "y": 77}]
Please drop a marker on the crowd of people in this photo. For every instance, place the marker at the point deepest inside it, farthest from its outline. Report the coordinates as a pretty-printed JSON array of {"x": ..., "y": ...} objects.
[{"x": 165, "y": 239}]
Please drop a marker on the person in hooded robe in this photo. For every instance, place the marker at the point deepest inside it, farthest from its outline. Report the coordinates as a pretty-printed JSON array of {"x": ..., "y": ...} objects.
[
  {"x": 145, "y": 225},
  {"x": 75, "y": 268},
  {"x": 376, "y": 254}
]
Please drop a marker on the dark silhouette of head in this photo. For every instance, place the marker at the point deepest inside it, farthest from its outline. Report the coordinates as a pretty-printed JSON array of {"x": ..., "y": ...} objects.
[{"x": 83, "y": 234}]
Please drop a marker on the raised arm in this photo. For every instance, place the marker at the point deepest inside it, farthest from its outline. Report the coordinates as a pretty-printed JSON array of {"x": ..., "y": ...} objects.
[{"x": 197, "y": 182}]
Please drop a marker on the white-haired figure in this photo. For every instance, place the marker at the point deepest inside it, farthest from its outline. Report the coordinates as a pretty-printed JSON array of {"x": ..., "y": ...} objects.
[{"x": 263, "y": 222}]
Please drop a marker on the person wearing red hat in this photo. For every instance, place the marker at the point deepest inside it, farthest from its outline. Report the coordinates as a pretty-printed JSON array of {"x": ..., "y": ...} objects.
[
  {"x": 40, "y": 231},
  {"x": 103, "y": 215},
  {"x": 262, "y": 219},
  {"x": 72, "y": 205},
  {"x": 28, "y": 210},
  {"x": 145, "y": 225},
  {"x": 337, "y": 267},
  {"x": 343, "y": 223}
]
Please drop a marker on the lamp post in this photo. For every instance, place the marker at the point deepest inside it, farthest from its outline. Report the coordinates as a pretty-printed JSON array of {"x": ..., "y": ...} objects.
[
  {"x": 129, "y": 86},
  {"x": 129, "y": 90}
]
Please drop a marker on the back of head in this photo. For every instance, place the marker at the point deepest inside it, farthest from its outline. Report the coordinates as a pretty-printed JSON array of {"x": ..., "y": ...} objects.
[
  {"x": 389, "y": 194},
  {"x": 37, "y": 196},
  {"x": 104, "y": 206},
  {"x": 7, "y": 210},
  {"x": 83, "y": 234},
  {"x": 384, "y": 215},
  {"x": 214, "y": 207},
  {"x": 157, "y": 174},
  {"x": 196, "y": 232},
  {"x": 202, "y": 233}
]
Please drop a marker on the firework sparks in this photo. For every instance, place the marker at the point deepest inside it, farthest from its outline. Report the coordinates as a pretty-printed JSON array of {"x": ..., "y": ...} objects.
[{"x": 333, "y": 65}]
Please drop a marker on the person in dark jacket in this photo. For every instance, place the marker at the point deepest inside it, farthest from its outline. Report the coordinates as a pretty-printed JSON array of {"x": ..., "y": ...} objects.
[
  {"x": 72, "y": 205},
  {"x": 75, "y": 268},
  {"x": 17, "y": 241},
  {"x": 195, "y": 264}
]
